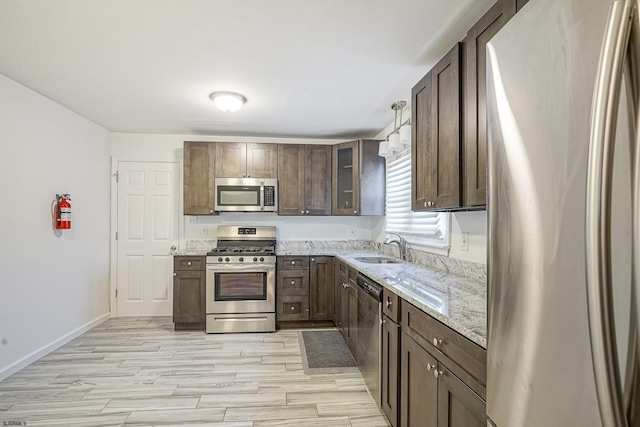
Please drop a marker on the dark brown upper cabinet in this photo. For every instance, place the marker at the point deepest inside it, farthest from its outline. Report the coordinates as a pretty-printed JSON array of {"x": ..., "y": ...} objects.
[
  {"x": 198, "y": 178},
  {"x": 436, "y": 162},
  {"x": 358, "y": 178},
  {"x": 246, "y": 159},
  {"x": 304, "y": 179},
  {"x": 475, "y": 95}
]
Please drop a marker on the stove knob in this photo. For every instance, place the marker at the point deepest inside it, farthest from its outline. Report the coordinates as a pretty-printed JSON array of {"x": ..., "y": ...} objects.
[
  {"x": 240, "y": 259},
  {"x": 255, "y": 259},
  {"x": 261, "y": 259},
  {"x": 227, "y": 259},
  {"x": 220, "y": 259}
]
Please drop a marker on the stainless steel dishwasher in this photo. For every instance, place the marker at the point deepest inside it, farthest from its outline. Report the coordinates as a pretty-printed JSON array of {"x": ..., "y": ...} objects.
[{"x": 368, "y": 334}]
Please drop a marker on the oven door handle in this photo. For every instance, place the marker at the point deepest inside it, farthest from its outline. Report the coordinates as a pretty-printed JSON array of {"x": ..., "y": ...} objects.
[{"x": 241, "y": 268}]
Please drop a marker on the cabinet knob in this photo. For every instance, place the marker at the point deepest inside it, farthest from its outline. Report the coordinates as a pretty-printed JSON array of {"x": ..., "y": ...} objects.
[
  {"x": 249, "y": 176},
  {"x": 355, "y": 212},
  {"x": 302, "y": 212},
  {"x": 425, "y": 204},
  {"x": 189, "y": 263},
  {"x": 436, "y": 373},
  {"x": 175, "y": 274},
  {"x": 430, "y": 367},
  {"x": 293, "y": 263},
  {"x": 211, "y": 211},
  {"x": 313, "y": 260},
  {"x": 307, "y": 212},
  {"x": 293, "y": 308},
  {"x": 430, "y": 203},
  {"x": 437, "y": 342},
  {"x": 389, "y": 303},
  {"x": 293, "y": 282}
]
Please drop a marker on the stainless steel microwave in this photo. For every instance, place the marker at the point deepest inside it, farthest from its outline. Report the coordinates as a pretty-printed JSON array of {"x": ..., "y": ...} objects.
[{"x": 246, "y": 194}]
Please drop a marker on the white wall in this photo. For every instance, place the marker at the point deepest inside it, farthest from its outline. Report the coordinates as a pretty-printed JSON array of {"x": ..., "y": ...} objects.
[
  {"x": 52, "y": 288},
  {"x": 151, "y": 147}
]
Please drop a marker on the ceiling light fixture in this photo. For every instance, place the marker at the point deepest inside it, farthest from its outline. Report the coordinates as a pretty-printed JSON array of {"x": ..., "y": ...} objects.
[{"x": 228, "y": 101}]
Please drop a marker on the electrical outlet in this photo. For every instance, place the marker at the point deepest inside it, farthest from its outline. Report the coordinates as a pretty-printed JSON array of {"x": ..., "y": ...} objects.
[
  {"x": 464, "y": 243},
  {"x": 205, "y": 229}
]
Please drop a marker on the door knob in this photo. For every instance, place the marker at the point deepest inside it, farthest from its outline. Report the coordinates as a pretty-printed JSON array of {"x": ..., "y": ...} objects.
[{"x": 172, "y": 249}]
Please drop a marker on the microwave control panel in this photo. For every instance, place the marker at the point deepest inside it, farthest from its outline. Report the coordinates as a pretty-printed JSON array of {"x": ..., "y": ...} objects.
[{"x": 269, "y": 196}]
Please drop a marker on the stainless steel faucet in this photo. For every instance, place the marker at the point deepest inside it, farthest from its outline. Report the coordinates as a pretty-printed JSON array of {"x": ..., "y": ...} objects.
[{"x": 401, "y": 242}]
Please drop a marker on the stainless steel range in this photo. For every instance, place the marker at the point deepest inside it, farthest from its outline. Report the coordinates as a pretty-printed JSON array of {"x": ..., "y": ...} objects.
[{"x": 241, "y": 280}]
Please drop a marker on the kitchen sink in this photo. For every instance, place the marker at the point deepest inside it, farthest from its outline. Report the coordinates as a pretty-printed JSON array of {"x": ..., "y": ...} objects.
[{"x": 376, "y": 260}]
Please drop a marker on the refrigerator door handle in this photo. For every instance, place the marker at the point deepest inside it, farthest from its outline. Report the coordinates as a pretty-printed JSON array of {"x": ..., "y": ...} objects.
[{"x": 604, "y": 114}]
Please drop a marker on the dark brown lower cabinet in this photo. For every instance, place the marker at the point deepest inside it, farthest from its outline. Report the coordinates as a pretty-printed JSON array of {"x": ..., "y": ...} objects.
[
  {"x": 321, "y": 296},
  {"x": 458, "y": 405},
  {"x": 189, "y": 293},
  {"x": 390, "y": 359},
  {"x": 419, "y": 388},
  {"x": 431, "y": 395}
]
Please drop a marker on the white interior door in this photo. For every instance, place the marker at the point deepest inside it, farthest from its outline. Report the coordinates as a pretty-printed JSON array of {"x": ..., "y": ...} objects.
[{"x": 147, "y": 228}]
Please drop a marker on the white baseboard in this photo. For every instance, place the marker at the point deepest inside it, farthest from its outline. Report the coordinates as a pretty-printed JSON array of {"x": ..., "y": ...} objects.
[{"x": 43, "y": 351}]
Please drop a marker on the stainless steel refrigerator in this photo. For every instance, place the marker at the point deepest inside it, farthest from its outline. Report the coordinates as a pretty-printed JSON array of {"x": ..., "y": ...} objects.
[{"x": 562, "y": 102}]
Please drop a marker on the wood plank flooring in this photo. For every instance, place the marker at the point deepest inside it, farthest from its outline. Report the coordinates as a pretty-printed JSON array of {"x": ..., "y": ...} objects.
[{"x": 140, "y": 372}]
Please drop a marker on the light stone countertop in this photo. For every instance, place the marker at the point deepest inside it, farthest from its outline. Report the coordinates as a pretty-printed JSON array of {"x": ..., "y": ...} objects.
[{"x": 457, "y": 301}]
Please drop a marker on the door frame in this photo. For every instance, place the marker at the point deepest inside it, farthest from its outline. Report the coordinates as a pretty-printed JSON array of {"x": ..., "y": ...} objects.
[{"x": 113, "y": 228}]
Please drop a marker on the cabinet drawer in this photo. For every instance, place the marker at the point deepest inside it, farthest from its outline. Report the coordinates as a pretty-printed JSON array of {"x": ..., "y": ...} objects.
[
  {"x": 293, "y": 262},
  {"x": 181, "y": 263},
  {"x": 292, "y": 308},
  {"x": 292, "y": 282},
  {"x": 391, "y": 305},
  {"x": 438, "y": 338}
]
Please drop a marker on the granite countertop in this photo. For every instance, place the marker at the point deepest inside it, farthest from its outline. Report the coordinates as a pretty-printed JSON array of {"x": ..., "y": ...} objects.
[{"x": 457, "y": 301}]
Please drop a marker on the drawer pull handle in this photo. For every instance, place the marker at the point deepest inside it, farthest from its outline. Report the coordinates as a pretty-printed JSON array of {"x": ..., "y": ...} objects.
[{"x": 437, "y": 342}]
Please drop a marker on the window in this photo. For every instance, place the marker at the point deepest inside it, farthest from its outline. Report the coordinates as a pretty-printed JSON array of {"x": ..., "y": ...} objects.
[{"x": 418, "y": 228}]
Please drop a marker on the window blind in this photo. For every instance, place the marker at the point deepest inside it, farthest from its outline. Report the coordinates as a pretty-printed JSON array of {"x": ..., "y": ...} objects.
[{"x": 422, "y": 228}]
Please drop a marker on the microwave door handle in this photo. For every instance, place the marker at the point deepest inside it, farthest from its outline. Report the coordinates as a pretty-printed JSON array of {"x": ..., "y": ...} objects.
[
  {"x": 261, "y": 195},
  {"x": 598, "y": 216}
]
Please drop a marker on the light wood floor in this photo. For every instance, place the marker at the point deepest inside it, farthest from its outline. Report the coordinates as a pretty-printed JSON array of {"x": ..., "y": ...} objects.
[{"x": 140, "y": 372}]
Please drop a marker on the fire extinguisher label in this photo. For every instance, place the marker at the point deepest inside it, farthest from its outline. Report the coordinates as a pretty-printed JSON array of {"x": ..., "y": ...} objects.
[{"x": 65, "y": 214}]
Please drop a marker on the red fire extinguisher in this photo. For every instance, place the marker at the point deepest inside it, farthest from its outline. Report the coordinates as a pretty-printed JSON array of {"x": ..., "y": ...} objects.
[{"x": 62, "y": 211}]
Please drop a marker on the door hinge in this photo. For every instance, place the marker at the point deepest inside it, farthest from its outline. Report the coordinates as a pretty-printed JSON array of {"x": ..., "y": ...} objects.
[
  {"x": 116, "y": 235},
  {"x": 117, "y": 175},
  {"x": 116, "y": 292}
]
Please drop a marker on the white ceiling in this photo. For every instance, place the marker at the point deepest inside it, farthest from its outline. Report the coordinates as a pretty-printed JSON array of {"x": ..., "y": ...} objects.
[{"x": 309, "y": 68}]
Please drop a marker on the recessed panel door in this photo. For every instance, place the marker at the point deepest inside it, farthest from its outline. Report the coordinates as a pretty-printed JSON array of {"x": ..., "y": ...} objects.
[{"x": 147, "y": 229}]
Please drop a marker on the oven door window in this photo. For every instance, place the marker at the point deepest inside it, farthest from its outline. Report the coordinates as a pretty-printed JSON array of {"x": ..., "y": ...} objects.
[{"x": 240, "y": 287}]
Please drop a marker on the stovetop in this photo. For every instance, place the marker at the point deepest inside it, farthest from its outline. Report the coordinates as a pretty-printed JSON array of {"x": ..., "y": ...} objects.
[{"x": 243, "y": 250}]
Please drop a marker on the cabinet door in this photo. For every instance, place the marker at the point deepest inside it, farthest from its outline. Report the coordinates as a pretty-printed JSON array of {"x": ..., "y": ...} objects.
[
  {"x": 337, "y": 293},
  {"x": 420, "y": 135},
  {"x": 262, "y": 160},
  {"x": 317, "y": 180},
  {"x": 292, "y": 308},
  {"x": 352, "y": 315},
  {"x": 346, "y": 179},
  {"x": 231, "y": 159},
  {"x": 291, "y": 179},
  {"x": 458, "y": 405},
  {"x": 419, "y": 401},
  {"x": 189, "y": 297},
  {"x": 198, "y": 178},
  {"x": 475, "y": 95},
  {"x": 321, "y": 288},
  {"x": 390, "y": 364},
  {"x": 443, "y": 144}
]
